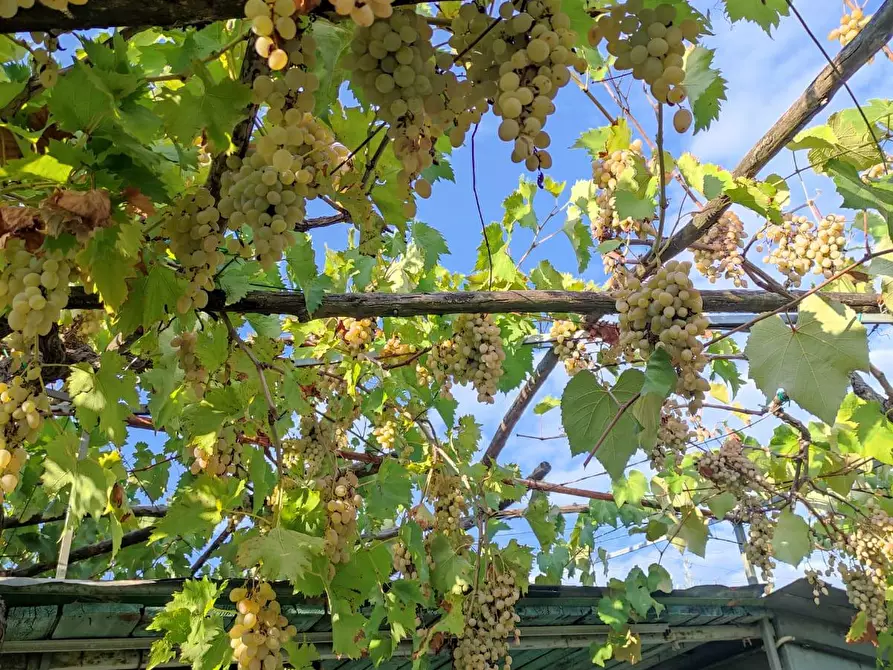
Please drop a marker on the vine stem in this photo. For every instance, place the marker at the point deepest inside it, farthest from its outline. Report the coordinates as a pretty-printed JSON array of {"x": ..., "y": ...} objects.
[
  {"x": 662, "y": 213},
  {"x": 272, "y": 411},
  {"x": 800, "y": 298}
]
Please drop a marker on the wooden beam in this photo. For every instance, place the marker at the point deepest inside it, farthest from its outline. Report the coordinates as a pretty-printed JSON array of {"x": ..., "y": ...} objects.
[{"x": 360, "y": 305}]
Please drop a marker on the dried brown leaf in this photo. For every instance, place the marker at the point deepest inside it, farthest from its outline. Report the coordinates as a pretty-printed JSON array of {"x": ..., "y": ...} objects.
[
  {"x": 21, "y": 222},
  {"x": 9, "y": 148},
  {"x": 77, "y": 212},
  {"x": 138, "y": 202}
]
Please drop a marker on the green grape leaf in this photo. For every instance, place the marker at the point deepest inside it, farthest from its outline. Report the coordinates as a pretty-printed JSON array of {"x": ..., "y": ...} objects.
[
  {"x": 587, "y": 408},
  {"x": 451, "y": 571},
  {"x": 711, "y": 180},
  {"x": 600, "y": 653},
  {"x": 388, "y": 491},
  {"x": 348, "y": 638},
  {"x": 859, "y": 195},
  {"x": 547, "y": 404},
  {"x": 109, "y": 268},
  {"x": 659, "y": 579},
  {"x": 80, "y": 100},
  {"x": 690, "y": 533},
  {"x": 152, "y": 297},
  {"x": 431, "y": 242},
  {"x": 160, "y": 653},
  {"x": 721, "y": 504},
  {"x": 518, "y": 206},
  {"x": 858, "y": 628},
  {"x": 208, "y": 646},
  {"x": 705, "y": 86},
  {"x": 614, "y": 611},
  {"x": 812, "y": 361},
  {"x": 89, "y": 482},
  {"x": 630, "y": 489},
  {"x": 660, "y": 375},
  {"x": 198, "y": 507},
  {"x": 37, "y": 167},
  {"x": 631, "y": 205},
  {"x": 544, "y": 519},
  {"x": 790, "y": 542},
  {"x": 280, "y": 554},
  {"x": 765, "y": 13},
  {"x": 300, "y": 656},
  {"x": 104, "y": 396},
  {"x": 875, "y": 432}
]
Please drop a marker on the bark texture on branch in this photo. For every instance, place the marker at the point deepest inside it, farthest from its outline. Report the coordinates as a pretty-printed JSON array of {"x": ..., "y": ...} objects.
[
  {"x": 361, "y": 305},
  {"x": 814, "y": 99}
]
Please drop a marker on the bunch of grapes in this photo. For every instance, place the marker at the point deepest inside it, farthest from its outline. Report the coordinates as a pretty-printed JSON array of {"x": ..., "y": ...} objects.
[
  {"x": 394, "y": 64},
  {"x": 850, "y": 26},
  {"x": 11, "y": 461},
  {"x": 570, "y": 346},
  {"x": 358, "y": 334},
  {"x": 274, "y": 23},
  {"x": 758, "y": 549},
  {"x": 534, "y": 51},
  {"x": 260, "y": 629},
  {"x": 342, "y": 507},
  {"x": 34, "y": 286},
  {"x": 477, "y": 46},
  {"x": 666, "y": 311},
  {"x": 223, "y": 458},
  {"x": 192, "y": 223},
  {"x": 44, "y": 65},
  {"x": 464, "y": 102},
  {"x": 9, "y": 8},
  {"x": 725, "y": 260},
  {"x": 729, "y": 469},
  {"x": 403, "y": 562},
  {"x": 801, "y": 246},
  {"x": 650, "y": 43},
  {"x": 196, "y": 375},
  {"x": 606, "y": 173},
  {"x": 866, "y": 589},
  {"x": 313, "y": 452},
  {"x": 395, "y": 353},
  {"x": 23, "y": 406},
  {"x": 673, "y": 438},
  {"x": 364, "y": 12},
  {"x": 385, "y": 433},
  {"x": 474, "y": 355},
  {"x": 870, "y": 542},
  {"x": 296, "y": 87},
  {"x": 879, "y": 170},
  {"x": 450, "y": 504},
  {"x": 819, "y": 587},
  {"x": 490, "y": 620}
]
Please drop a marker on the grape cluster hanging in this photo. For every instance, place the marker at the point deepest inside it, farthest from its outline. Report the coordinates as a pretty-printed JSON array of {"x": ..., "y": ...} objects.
[{"x": 474, "y": 355}]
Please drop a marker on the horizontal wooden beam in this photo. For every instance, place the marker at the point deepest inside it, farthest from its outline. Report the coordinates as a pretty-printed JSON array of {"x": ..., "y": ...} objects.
[{"x": 361, "y": 305}]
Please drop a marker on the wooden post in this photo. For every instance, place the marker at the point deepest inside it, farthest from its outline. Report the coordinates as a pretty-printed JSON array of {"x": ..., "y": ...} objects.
[{"x": 68, "y": 534}]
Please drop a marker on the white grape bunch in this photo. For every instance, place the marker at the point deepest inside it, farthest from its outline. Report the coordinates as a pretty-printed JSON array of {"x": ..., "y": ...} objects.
[
  {"x": 725, "y": 259},
  {"x": 534, "y": 52},
  {"x": 758, "y": 549},
  {"x": 192, "y": 224},
  {"x": 33, "y": 287},
  {"x": 851, "y": 24},
  {"x": 196, "y": 375},
  {"x": 259, "y": 629},
  {"x": 275, "y": 23},
  {"x": 673, "y": 438},
  {"x": 879, "y": 170},
  {"x": 666, "y": 311},
  {"x": 293, "y": 88},
  {"x": 43, "y": 64},
  {"x": 490, "y": 622},
  {"x": 221, "y": 458},
  {"x": 364, "y": 12},
  {"x": 394, "y": 63},
  {"x": 651, "y": 43},
  {"x": 729, "y": 469},
  {"x": 22, "y": 409},
  {"x": 798, "y": 246},
  {"x": 569, "y": 343},
  {"x": 474, "y": 356},
  {"x": 9, "y": 8},
  {"x": 450, "y": 505},
  {"x": 313, "y": 453},
  {"x": 607, "y": 171},
  {"x": 343, "y": 502},
  {"x": 358, "y": 334}
]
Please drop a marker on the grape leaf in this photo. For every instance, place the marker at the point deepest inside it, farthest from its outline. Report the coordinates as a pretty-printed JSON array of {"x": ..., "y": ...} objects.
[
  {"x": 790, "y": 542},
  {"x": 431, "y": 242},
  {"x": 587, "y": 408},
  {"x": 198, "y": 507},
  {"x": 109, "y": 267},
  {"x": 547, "y": 404},
  {"x": 80, "y": 100},
  {"x": 151, "y": 298},
  {"x": 690, "y": 533},
  {"x": 451, "y": 571},
  {"x": 280, "y": 553},
  {"x": 765, "y": 13},
  {"x": 812, "y": 361},
  {"x": 300, "y": 656},
  {"x": 544, "y": 519},
  {"x": 104, "y": 396},
  {"x": 389, "y": 490},
  {"x": 613, "y": 611},
  {"x": 859, "y": 195},
  {"x": 630, "y": 489},
  {"x": 89, "y": 482},
  {"x": 705, "y": 86}
]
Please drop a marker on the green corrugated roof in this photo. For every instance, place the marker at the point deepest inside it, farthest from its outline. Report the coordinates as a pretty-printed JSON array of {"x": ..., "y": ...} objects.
[{"x": 558, "y": 622}]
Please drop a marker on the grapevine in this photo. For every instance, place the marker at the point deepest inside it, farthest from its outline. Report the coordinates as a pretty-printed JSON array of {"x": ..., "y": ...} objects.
[
  {"x": 259, "y": 629},
  {"x": 474, "y": 355}
]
